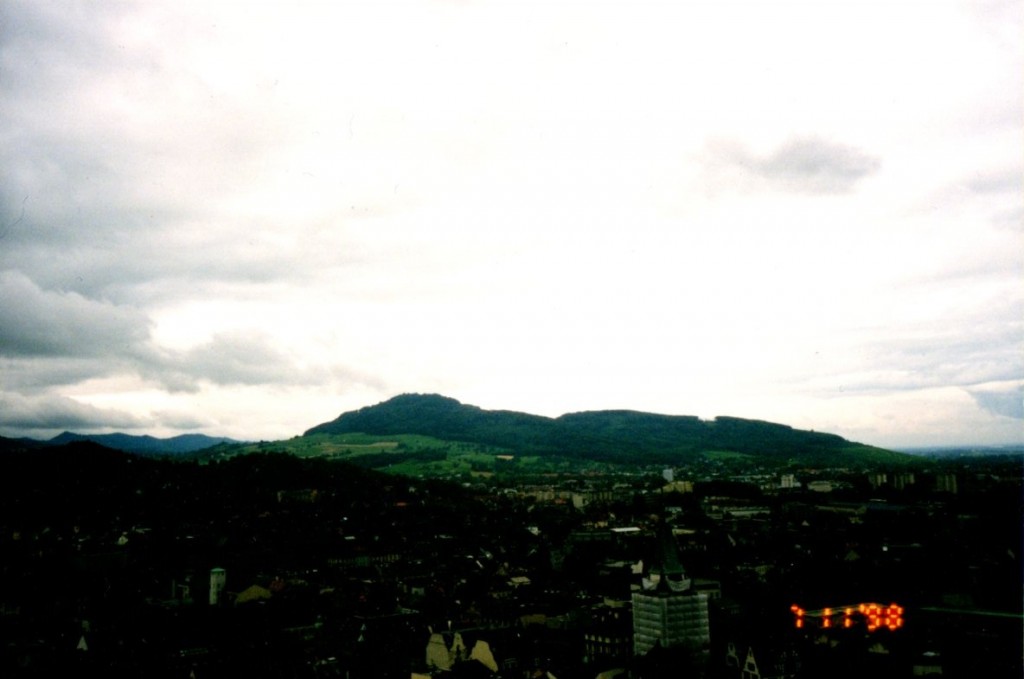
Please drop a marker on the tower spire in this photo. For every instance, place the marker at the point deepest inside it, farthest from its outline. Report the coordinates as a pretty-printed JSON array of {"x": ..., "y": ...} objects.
[{"x": 667, "y": 565}]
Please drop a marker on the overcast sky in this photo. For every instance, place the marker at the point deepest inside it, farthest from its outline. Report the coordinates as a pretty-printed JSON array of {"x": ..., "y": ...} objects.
[{"x": 243, "y": 219}]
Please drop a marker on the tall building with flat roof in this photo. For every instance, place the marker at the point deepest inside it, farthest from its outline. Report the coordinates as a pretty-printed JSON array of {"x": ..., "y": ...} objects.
[
  {"x": 218, "y": 580},
  {"x": 946, "y": 483}
]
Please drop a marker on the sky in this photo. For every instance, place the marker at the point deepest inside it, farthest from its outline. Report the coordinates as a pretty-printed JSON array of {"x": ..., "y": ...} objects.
[{"x": 243, "y": 219}]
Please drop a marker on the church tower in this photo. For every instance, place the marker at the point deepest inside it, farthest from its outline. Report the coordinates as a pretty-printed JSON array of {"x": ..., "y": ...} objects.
[{"x": 667, "y": 612}]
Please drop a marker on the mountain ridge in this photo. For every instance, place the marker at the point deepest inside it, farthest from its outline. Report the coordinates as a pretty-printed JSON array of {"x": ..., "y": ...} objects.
[
  {"x": 129, "y": 443},
  {"x": 611, "y": 435}
]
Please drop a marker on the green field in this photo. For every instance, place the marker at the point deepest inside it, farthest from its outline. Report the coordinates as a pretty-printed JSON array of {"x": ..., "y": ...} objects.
[
  {"x": 726, "y": 455},
  {"x": 411, "y": 455},
  {"x": 407, "y": 454},
  {"x": 420, "y": 456}
]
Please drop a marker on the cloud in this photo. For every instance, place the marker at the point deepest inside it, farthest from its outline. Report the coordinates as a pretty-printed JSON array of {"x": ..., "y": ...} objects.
[
  {"x": 203, "y": 208},
  {"x": 46, "y": 323},
  {"x": 116, "y": 142},
  {"x": 997, "y": 181},
  {"x": 1007, "y": 401},
  {"x": 51, "y": 338},
  {"x": 184, "y": 420},
  {"x": 930, "y": 362},
  {"x": 964, "y": 343},
  {"x": 816, "y": 165},
  {"x": 235, "y": 358},
  {"x": 39, "y": 374},
  {"x": 53, "y": 412},
  {"x": 926, "y": 417},
  {"x": 801, "y": 164}
]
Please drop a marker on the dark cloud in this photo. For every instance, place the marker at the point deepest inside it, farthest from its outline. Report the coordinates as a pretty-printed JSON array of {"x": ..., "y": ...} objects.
[
  {"x": 52, "y": 412},
  {"x": 117, "y": 157},
  {"x": 36, "y": 322},
  {"x": 49, "y": 338},
  {"x": 805, "y": 164},
  {"x": 37, "y": 374}
]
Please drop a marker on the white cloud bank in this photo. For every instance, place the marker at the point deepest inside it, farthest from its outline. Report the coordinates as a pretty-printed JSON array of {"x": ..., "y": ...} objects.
[{"x": 247, "y": 220}]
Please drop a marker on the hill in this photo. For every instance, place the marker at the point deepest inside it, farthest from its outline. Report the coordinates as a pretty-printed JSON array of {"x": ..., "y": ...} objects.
[
  {"x": 19, "y": 444},
  {"x": 143, "y": 445},
  {"x": 616, "y": 436}
]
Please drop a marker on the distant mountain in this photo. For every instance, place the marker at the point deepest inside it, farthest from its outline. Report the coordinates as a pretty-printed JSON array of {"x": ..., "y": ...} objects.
[
  {"x": 610, "y": 435},
  {"x": 969, "y": 451},
  {"x": 8, "y": 444},
  {"x": 144, "y": 445}
]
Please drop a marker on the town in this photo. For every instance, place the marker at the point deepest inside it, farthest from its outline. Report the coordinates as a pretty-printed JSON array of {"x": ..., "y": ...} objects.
[{"x": 270, "y": 565}]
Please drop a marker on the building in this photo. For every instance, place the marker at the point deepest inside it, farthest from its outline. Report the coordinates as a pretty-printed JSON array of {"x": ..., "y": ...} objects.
[
  {"x": 946, "y": 483},
  {"x": 608, "y": 635},
  {"x": 903, "y": 480},
  {"x": 667, "y": 611},
  {"x": 218, "y": 580}
]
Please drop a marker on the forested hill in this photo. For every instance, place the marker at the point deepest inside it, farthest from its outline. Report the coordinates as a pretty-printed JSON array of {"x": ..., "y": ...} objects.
[
  {"x": 138, "y": 445},
  {"x": 613, "y": 435},
  {"x": 144, "y": 445}
]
